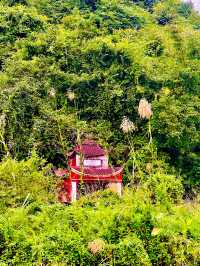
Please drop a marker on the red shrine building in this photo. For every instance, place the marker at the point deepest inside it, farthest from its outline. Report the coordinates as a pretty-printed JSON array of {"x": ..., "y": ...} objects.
[{"x": 88, "y": 171}]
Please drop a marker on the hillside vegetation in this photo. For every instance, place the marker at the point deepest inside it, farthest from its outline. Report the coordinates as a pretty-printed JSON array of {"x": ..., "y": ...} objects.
[{"x": 75, "y": 69}]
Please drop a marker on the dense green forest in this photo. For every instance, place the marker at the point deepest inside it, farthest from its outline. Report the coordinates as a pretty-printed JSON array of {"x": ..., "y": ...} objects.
[{"x": 76, "y": 69}]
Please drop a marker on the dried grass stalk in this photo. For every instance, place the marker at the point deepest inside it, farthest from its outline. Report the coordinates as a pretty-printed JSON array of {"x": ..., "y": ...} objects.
[
  {"x": 52, "y": 93},
  {"x": 127, "y": 125},
  {"x": 71, "y": 95},
  {"x": 96, "y": 246},
  {"x": 144, "y": 109},
  {"x": 2, "y": 121},
  {"x": 149, "y": 167},
  {"x": 155, "y": 231}
]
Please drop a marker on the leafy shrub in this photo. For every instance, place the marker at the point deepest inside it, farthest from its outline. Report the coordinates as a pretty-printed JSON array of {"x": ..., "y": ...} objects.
[
  {"x": 145, "y": 3},
  {"x": 15, "y": 2},
  {"x": 59, "y": 235},
  {"x": 168, "y": 249},
  {"x": 18, "y": 22},
  {"x": 165, "y": 188},
  {"x": 92, "y": 4},
  {"x": 185, "y": 9},
  {"x": 193, "y": 48},
  {"x": 22, "y": 106},
  {"x": 191, "y": 169},
  {"x": 164, "y": 19},
  {"x": 165, "y": 13},
  {"x": 130, "y": 250},
  {"x": 154, "y": 48},
  {"x": 24, "y": 182}
]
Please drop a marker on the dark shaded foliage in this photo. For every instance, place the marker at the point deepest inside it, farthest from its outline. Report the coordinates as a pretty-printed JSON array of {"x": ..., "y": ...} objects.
[{"x": 110, "y": 56}]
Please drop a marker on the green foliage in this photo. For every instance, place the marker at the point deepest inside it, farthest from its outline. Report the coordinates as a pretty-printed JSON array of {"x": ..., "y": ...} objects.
[
  {"x": 18, "y": 22},
  {"x": 145, "y": 3},
  {"x": 184, "y": 219},
  {"x": 130, "y": 249},
  {"x": 154, "y": 48},
  {"x": 185, "y": 9},
  {"x": 58, "y": 235},
  {"x": 191, "y": 164},
  {"x": 109, "y": 54},
  {"x": 15, "y": 2},
  {"x": 24, "y": 182},
  {"x": 164, "y": 188}
]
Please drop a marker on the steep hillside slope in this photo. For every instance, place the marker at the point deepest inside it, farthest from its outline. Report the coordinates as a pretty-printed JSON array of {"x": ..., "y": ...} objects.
[
  {"x": 84, "y": 64},
  {"x": 71, "y": 69}
]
